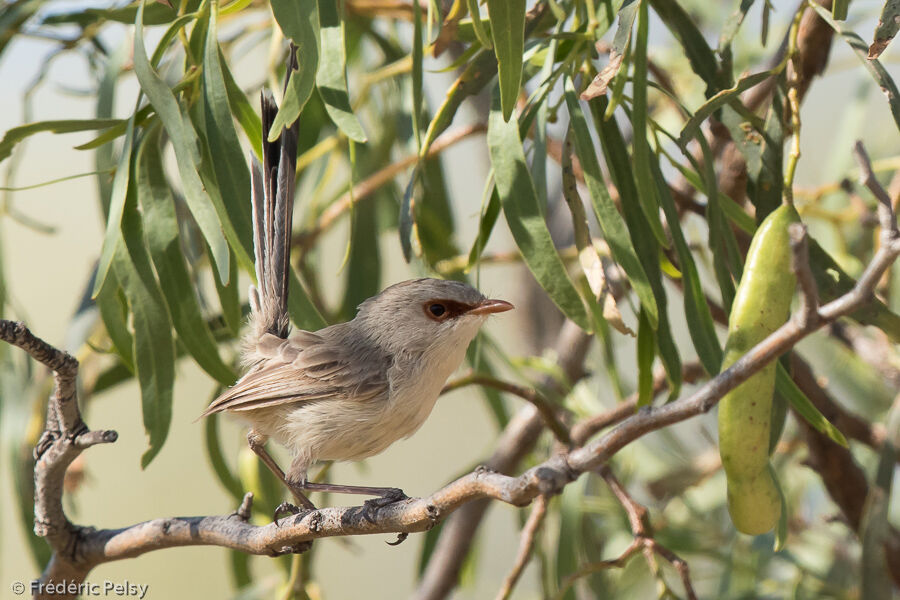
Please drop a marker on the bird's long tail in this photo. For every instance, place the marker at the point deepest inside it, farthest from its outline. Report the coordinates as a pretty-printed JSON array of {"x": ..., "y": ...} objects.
[{"x": 273, "y": 207}]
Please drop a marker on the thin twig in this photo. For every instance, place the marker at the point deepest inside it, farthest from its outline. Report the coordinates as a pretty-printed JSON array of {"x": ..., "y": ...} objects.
[
  {"x": 806, "y": 282},
  {"x": 867, "y": 177},
  {"x": 526, "y": 544},
  {"x": 638, "y": 517}
]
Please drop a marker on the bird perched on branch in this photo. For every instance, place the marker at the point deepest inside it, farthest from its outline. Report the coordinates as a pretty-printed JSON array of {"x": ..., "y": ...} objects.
[{"x": 348, "y": 391}]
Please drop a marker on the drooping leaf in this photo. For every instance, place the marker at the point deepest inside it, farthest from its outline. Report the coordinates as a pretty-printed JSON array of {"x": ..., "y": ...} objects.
[
  {"x": 154, "y": 348},
  {"x": 699, "y": 319},
  {"x": 16, "y": 134},
  {"x": 185, "y": 144},
  {"x": 520, "y": 205},
  {"x": 299, "y": 20},
  {"x": 161, "y": 229},
  {"x": 646, "y": 195},
  {"x": 118, "y": 192},
  {"x": 617, "y": 52},
  {"x": 888, "y": 24},
  {"x": 611, "y": 222},
  {"x": 508, "y": 34},
  {"x": 331, "y": 77},
  {"x": 873, "y": 66}
]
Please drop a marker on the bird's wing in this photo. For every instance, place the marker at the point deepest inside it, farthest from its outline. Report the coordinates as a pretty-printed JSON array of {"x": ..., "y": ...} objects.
[{"x": 305, "y": 368}]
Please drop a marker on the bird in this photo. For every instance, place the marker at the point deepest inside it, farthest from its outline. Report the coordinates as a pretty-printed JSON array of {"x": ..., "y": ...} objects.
[{"x": 348, "y": 391}]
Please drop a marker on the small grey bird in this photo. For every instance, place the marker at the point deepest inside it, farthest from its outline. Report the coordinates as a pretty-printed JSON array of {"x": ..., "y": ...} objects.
[{"x": 348, "y": 391}]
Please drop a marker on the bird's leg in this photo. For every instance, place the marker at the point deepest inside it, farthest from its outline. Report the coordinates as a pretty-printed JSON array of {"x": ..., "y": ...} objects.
[
  {"x": 385, "y": 495},
  {"x": 257, "y": 444}
]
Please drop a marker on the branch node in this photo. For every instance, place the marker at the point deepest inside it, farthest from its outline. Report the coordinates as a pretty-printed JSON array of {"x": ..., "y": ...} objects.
[
  {"x": 886, "y": 218},
  {"x": 808, "y": 315},
  {"x": 243, "y": 511}
]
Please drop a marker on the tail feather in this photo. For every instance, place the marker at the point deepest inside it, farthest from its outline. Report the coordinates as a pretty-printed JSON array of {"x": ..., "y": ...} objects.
[{"x": 273, "y": 208}]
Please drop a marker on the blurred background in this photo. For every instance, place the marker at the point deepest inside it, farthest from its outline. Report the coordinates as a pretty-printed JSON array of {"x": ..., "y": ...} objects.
[{"x": 50, "y": 240}]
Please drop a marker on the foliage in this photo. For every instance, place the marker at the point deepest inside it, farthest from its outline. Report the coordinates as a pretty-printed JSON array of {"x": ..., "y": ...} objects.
[{"x": 654, "y": 266}]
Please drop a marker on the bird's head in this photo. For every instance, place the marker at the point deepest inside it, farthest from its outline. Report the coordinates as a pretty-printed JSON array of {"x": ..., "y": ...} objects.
[{"x": 419, "y": 314}]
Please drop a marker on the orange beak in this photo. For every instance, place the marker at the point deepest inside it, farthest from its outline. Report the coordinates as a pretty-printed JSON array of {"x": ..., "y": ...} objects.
[{"x": 490, "y": 306}]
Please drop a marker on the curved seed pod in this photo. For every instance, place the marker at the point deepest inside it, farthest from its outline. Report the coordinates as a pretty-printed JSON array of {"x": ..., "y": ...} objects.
[{"x": 761, "y": 305}]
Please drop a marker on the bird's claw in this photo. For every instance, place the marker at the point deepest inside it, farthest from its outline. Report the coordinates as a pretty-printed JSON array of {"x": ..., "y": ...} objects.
[
  {"x": 371, "y": 506},
  {"x": 285, "y": 508}
]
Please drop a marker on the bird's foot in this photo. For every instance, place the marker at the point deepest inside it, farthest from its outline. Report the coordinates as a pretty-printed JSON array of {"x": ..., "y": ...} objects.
[
  {"x": 389, "y": 497},
  {"x": 285, "y": 508}
]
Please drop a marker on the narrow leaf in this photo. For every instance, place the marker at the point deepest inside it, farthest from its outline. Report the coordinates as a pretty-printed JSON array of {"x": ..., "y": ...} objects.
[
  {"x": 481, "y": 33},
  {"x": 508, "y": 33},
  {"x": 161, "y": 229},
  {"x": 617, "y": 52},
  {"x": 520, "y": 205},
  {"x": 299, "y": 20},
  {"x": 646, "y": 196},
  {"x": 331, "y": 77},
  {"x": 888, "y": 24},
  {"x": 786, "y": 387},
  {"x": 645, "y": 356},
  {"x": 17, "y": 134},
  {"x": 875, "y": 68},
  {"x": 689, "y": 131},
  {"x": 611, "y": 222},
  {"x": 184, "y": 142},
  {"x": 154, "y": 349},
  {"x": 116, "y": 205}
]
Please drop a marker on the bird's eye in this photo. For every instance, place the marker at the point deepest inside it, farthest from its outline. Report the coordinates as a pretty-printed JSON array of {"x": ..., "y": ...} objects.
[{"x": 437, "y": 310}]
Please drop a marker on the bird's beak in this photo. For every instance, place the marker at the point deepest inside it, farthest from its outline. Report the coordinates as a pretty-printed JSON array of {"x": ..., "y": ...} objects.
[{"x": 490, "y": 306}]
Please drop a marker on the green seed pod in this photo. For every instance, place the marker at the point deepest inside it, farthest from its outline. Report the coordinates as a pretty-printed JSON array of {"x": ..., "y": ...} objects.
[{"x": 762, "y": 304}]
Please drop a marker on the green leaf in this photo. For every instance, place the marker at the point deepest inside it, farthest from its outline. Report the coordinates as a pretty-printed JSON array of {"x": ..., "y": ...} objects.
[
  {"x": 888, "y": 24},
  {"x": 874, "y": 67},
  {"x": 781, "y": 528},
  {"x": 407, "y": 219},
  {"x": 363, "y": 278},
  {"x": 520, "y": 205},
  {"x": 480, "y": 27},
  {"x": 486, "y": 223},
  {"x": 508, "y": 33},
  {"x": 155, "y": 14},
  {"x": 690, "y": 129},
  {"x": 114, "y": 312},
  {"x": 154, "y": 348},
  {"x": 184, "y": 142},
  {"x": 247, "y": 118},
  {"x": 699, "y": 320},
  {"x": 699, "y": 54},
  {"x": 786, "y": 387},
  {"x": 645, "y": 244},
  {"x": 733, "y": 24},
  {"x": 227, "y": 162},
  {"x": 118, "y": 193},
  {"x": 645, "y": 355},
  {"x": 229, "y": 480},
  {"x": 17, "y": 134},
  {"x": 832, "y": 282},
  {"x": 646, "y": 195},
  {"x": 303, "y": 312},
  {"x": 418, "y": 99},
  {"x": 230, "y": 301},
  {"x": 611, "y": 222},
  {"x": 331, "y": 78},
  {"x": 299, "y": 20},
  {"x": 839, "y": 9},
  {"x": 161, "y": 229},
  {"x": 619, "y": 53}
]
